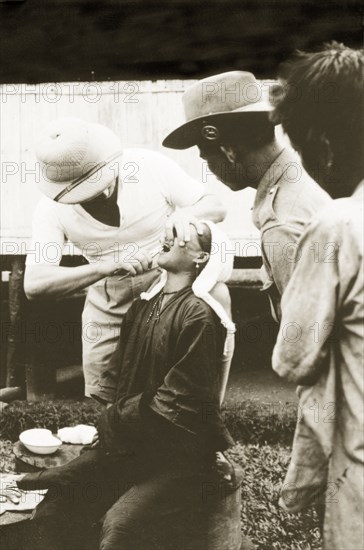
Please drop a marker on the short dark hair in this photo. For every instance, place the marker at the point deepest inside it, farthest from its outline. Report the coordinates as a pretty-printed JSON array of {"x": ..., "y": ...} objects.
[{"x": 322, "y": 97}]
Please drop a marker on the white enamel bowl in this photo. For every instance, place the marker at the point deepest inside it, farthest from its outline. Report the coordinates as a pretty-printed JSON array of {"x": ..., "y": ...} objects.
[{"x": 40, "y": 441}]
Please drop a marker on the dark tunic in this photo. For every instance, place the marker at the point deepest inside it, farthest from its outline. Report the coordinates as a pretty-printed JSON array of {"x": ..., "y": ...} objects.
[
  {"x": 160, "y": 479},
  {"x": 170, "y": 375}
]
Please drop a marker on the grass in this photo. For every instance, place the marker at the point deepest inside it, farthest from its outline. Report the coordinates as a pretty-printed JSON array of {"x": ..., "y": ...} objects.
[
  {"x": 22, "y": 415},
  {"x": 263, "y": 452},
  {"x": 7, "y": 457},
  {"x": 248, "y": 422},
  {"x": 269, "y": 527}
]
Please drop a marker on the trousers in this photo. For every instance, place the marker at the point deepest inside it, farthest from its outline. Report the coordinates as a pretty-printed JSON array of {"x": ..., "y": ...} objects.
[
  {"x": 138, "y": 503},
  {"x": 106, "y": 303}
]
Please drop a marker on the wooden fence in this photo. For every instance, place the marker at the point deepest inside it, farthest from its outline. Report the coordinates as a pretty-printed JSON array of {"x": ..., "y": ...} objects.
[{"x": 141, "y": 113}]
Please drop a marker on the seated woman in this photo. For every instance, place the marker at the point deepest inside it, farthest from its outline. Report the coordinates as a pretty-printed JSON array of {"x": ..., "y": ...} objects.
[{"x": 155, "y": 457}]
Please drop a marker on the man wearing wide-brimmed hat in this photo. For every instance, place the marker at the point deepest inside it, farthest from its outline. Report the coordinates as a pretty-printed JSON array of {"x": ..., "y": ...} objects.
[
  {"x": 113, "y": 204},
  {"x": 228, "y": 119}
]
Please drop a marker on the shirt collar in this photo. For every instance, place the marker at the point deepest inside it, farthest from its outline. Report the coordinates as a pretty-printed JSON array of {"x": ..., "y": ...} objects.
[{"x": 271, "y": 178}]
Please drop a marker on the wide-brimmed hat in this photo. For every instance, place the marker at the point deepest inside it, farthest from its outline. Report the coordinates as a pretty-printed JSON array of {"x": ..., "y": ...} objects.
[
  {"x": 214, "y": 100},
  {"x": 78, "y": 160}
]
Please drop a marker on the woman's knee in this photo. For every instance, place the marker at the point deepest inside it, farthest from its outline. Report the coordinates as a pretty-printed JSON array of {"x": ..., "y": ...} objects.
[{"x": 118, "y": 531}]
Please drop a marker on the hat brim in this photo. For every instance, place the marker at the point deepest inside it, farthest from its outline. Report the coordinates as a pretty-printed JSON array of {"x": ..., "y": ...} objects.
[
  {"x": 85, "y": 191},
  {"x": 190, "y": 133}
]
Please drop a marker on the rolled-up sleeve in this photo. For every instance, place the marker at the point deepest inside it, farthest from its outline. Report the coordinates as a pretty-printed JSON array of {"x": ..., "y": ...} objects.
[
  {"x": 309, "y": 306},
  {"x": 121, "y": 423},
  {"x": 280, "y": 253},
  {"x": 48, "y": 235}
]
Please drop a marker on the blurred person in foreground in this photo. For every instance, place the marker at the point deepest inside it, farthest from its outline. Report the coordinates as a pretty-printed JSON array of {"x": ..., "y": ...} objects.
[
  {"x": 228, "y": 120},
  {"x": 321, "y": 340}
]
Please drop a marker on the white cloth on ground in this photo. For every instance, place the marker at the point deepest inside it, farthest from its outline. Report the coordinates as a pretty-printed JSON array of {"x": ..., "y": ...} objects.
[{"x": 77, "y": 435}]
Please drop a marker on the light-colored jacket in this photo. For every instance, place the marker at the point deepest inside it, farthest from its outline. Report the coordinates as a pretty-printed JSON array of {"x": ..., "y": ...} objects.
[
  {"x": 321, "y": 344},
  {"x": 286, "y": 199}
]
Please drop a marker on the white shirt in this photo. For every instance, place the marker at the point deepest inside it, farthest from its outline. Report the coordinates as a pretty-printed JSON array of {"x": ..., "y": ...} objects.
[{"x": 151, "y": 186}]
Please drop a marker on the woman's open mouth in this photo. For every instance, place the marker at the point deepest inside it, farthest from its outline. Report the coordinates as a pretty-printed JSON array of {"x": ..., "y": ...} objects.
[{"x": 166, "y": 247}]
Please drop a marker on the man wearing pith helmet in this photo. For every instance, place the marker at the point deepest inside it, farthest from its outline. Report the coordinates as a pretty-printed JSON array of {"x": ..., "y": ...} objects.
[
  {"x": 228, "y": 119},
  {"x": 113, "y": 204}
]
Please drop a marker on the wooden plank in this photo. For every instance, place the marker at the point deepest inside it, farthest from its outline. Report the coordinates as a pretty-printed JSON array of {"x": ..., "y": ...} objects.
[
  {"x": 62, "y": 456},
  {"x": 40, "y": 379},
  {"x": 246, "y": 279},
  {"x": 142, "y": 113},
  {"x": 15, "y": 348}
]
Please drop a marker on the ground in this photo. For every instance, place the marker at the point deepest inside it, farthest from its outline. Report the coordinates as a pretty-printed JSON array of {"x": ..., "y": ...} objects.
[
  {"x": 260, "y": 410},
  {"x": 262, "y": 386},
  {"x": 262, "y": 520}
]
